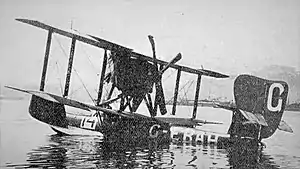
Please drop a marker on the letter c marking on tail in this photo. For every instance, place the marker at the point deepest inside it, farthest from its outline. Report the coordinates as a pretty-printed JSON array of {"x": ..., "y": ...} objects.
[{"x": 270, "y": 97}]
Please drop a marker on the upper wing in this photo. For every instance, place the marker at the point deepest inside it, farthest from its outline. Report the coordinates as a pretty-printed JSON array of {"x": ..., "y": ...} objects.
[{"x": 104, "y": 44}]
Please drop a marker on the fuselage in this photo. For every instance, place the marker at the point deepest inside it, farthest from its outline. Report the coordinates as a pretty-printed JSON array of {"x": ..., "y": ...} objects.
[{"x": 119, "y": 128}]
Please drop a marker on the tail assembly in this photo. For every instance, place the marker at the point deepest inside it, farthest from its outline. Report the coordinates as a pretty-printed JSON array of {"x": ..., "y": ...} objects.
[{"x": 260, "y": 104}]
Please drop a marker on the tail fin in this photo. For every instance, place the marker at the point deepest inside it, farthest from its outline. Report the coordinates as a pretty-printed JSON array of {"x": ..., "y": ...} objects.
[{"x": 260, "y": 96}]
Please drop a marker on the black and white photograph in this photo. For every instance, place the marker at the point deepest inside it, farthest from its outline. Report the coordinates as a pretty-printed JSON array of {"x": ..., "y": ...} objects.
[{"x": 200, "y": 84}]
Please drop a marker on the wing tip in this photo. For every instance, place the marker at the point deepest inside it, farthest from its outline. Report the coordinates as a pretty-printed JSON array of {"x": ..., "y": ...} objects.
[
  {"x": 23, "y": 20},
  {"x": 213, "y": 73},
  {"x": 14, "y": 88}
]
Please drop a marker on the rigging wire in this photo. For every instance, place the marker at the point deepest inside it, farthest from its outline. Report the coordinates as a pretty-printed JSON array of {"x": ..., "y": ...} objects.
[
  {"x": 65, "y": 54},
  {"x": 190, "y": 81},
  {"x": 59, "y": 79},
  {"x": 89, "y": 59},
  {"x": 185, "y": 93},
  {"x": 87, "y": 55},
  {"x": 172, "y": 73},
  {"x": 75, "y": 90}
]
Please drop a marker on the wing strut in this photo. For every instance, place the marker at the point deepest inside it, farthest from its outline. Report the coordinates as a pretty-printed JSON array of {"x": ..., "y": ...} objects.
[
  {"x": 70, "y": 64},
  {"x": 102, "y": 78},
  {"x": 48, "y": 45},
  {"x": 176, "y": 91},
  {"x": 104, "y": 44},
  {"x": 196, "y": 96}
]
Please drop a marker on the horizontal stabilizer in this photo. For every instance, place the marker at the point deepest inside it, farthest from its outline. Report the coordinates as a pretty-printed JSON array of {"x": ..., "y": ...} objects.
[
  {"x": 254, "y": 118},
  {"x": 284, "y": 127}
]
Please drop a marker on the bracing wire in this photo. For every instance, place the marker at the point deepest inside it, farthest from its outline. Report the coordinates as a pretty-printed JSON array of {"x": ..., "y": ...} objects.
[
  {"x": 75, "y": 90},
  {"x": 60, "y": 85},
  {"x": 65, "y": 54},
  {"x": 185, "y": 93},
  {"x": 87, "y": 55},
  {"x": 169, "y": 75},
  {"x": 188, "y": 82}
]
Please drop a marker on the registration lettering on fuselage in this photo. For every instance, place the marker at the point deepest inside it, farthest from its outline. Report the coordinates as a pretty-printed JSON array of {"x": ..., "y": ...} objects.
[
  {"x": 89, "y": 122},
  {"x": 193, "y": 136}
]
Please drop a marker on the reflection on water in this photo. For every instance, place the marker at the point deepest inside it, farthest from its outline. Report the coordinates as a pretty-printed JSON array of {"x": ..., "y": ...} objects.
[
  {"x": 83, "y": 152},
  {"x": 90, "y": 152},
  {"x": 249, "y": 159},
  {"x": 29, "y": 144}
]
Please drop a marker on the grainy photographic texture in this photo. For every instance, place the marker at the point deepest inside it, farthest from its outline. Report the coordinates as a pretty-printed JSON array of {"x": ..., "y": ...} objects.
[{"x": 149, "y": 84}]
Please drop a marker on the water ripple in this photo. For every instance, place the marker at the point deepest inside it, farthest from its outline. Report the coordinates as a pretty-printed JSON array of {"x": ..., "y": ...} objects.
[{"x": 91, "y": 152}]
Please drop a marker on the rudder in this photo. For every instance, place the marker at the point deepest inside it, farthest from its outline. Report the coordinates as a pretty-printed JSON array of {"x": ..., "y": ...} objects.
[{"x": 265, "y": 97}]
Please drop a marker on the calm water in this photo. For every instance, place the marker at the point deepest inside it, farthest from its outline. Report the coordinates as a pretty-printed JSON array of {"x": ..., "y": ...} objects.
[{"x": 27, "y": 143}]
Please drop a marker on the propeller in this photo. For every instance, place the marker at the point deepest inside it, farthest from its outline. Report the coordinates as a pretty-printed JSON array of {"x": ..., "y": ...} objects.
[{"x": 159, "y": 96}]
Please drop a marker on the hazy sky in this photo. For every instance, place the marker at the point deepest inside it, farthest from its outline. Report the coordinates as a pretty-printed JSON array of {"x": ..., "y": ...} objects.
[{"x": 231, "y": 36}]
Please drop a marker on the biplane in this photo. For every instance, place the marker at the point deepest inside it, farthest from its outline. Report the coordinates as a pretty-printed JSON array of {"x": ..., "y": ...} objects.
[{"x": 257, "y": 113}]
